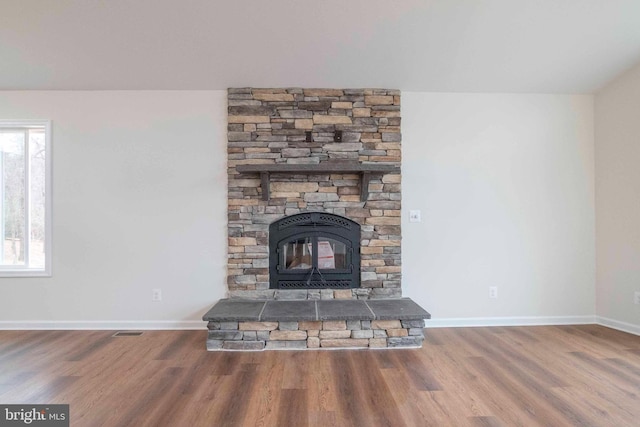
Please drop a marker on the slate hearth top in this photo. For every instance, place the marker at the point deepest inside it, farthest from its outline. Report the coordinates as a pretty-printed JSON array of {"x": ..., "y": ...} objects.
[
  {"x": 234, "y": 310},
  {"x": 287, "y": 310}
]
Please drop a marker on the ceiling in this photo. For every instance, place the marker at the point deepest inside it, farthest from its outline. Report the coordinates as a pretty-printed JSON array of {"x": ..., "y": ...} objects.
[{"x": 531, "y": 46}]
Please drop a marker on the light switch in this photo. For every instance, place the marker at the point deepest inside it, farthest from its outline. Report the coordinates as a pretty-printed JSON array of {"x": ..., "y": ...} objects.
[{"x": 414, "y": 216}]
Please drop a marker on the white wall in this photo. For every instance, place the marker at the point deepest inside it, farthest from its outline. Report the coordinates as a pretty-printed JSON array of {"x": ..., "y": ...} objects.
[
  {"x": 139, "y": 202},
  {"x": 618, "y": 201},
  {"x": 505, "y": 184}
]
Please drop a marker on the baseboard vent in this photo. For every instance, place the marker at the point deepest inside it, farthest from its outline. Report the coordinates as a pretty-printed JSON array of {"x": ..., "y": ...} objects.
[{"x": 127, "y": 334}]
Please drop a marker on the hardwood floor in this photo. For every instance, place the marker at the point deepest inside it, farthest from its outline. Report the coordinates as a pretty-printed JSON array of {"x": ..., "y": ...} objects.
[{"x": 500, "y": 376}]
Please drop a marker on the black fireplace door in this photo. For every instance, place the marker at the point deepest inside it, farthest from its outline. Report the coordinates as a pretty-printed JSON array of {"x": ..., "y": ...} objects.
[{"x": 314, "y": 251}]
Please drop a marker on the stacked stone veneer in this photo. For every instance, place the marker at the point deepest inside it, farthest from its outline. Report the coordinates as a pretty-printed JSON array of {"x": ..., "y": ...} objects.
[
  {"x": 315, "y": 334},
  {"x": 268, "y": 126}
]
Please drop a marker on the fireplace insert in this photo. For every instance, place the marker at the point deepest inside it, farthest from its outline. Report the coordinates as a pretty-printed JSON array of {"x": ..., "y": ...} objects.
[{"x": 314, "y": 250}]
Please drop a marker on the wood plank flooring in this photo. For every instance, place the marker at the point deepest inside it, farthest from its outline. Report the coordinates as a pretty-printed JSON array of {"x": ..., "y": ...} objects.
[{"x": 500, "y": 376}]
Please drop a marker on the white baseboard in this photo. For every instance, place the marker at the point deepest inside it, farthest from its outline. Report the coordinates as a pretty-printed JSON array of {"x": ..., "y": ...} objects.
[
  {"x": 509, "y": 321},
  {"x": 621, "y": 326},
  {"x": 115, "y": 325},
  {"x": 124, "y": 325}
]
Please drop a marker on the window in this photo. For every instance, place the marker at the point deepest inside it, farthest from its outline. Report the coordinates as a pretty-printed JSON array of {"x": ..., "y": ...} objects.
[{"x": 25, "y": 198}]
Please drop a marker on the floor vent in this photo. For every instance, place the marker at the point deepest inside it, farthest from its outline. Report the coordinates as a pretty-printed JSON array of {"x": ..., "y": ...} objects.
[{"x": 127, "y": 334}]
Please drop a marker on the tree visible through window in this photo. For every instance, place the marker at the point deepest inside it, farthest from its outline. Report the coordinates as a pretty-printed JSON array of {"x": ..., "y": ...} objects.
[{"x": 24, "y": 197}]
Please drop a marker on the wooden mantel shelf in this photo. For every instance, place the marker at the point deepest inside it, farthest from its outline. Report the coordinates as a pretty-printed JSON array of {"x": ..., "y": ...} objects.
[{"x": 363, "y": 169}]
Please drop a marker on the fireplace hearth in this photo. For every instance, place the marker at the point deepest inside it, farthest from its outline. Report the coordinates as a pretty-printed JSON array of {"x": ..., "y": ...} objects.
[{"x": 314, "y": 250}]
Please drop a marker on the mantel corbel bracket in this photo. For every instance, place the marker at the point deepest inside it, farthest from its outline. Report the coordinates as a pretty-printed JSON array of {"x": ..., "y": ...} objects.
[{"x": 264, "y": 183}]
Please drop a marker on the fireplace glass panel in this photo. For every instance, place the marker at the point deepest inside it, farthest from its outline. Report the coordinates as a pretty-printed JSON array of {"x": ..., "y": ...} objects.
[
  {"x": 332, "y": 254},
  {"x": 297, "y": 254}
]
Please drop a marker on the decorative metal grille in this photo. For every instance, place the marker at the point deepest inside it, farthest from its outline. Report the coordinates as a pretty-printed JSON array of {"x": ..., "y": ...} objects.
[
  {"x": 314, "y": 218},
  {"x": 315, "y": 284},
  {"x": 294, "y": 220},
  {"x": 336, "y": 220}
]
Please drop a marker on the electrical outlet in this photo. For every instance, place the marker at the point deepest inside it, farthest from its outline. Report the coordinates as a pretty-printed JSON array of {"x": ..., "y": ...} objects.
[
  {"x": 156, "y": 295},
  {"x": 414, "y": 216},
  {"x": 636, "y": 297},
  {"x": 493, "y": 292}
]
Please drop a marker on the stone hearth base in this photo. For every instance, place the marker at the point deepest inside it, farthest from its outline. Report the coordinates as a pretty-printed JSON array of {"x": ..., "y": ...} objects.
[{"x": 258, "y": 325}]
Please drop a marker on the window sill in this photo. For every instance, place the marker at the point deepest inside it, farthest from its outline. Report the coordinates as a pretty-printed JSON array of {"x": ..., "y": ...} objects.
[{"x": 24, "y": 273}]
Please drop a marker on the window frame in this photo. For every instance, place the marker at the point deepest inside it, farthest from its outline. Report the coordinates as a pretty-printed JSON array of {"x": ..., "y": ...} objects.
[{"x": 27, "y": 271}]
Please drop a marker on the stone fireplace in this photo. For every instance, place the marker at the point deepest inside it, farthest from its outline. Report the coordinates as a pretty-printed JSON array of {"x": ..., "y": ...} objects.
[
  {"x": 294, "y": 151},
  {"x": 314, "y": 199}
]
